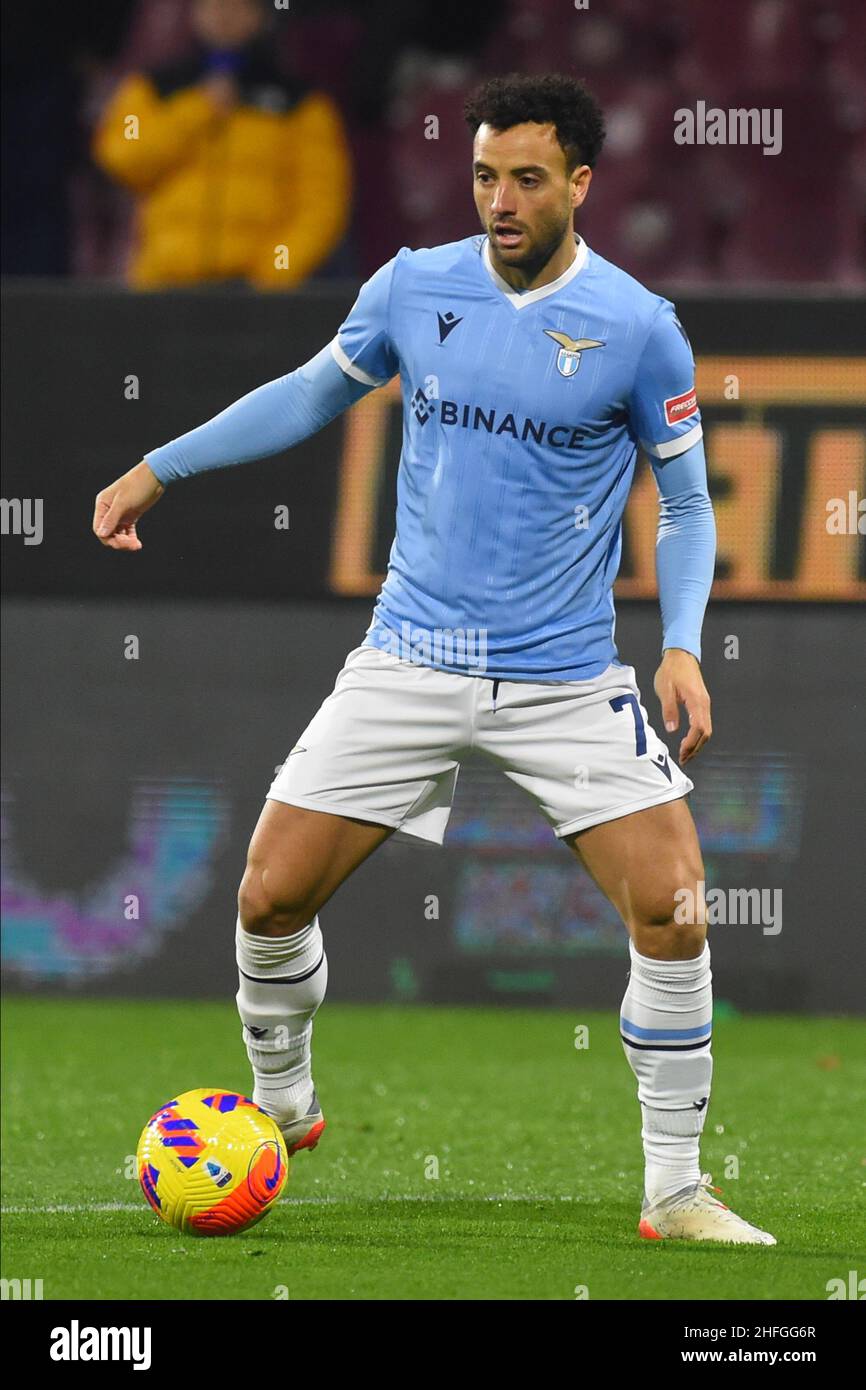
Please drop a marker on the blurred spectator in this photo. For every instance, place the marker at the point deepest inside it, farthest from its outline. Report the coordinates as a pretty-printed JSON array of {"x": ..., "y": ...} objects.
[
  {"x": 234, "y": 158},
  {"x": 231, "y": 159}
]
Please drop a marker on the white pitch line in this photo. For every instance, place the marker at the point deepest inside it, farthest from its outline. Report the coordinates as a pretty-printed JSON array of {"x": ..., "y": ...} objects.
[{"x": 81, "y": 1208}]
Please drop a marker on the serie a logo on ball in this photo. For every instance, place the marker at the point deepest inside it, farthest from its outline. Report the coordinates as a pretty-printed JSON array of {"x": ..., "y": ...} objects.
[{"x": 211, "y": 1162}]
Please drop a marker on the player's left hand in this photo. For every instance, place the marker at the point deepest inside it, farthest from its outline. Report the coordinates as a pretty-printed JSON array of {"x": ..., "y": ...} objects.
[{"x": 678, "y": 681}]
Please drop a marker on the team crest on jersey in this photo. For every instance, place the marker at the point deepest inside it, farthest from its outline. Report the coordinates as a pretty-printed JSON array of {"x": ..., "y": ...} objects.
[{"x": 570, "y": 349}]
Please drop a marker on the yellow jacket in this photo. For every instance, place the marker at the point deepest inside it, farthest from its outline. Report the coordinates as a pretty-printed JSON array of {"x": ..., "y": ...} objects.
[{"x": 228, "y": 195}]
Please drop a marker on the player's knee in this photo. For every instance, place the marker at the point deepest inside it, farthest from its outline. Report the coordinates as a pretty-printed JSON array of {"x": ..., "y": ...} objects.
[
  {"x": 668, "y": 920},
  {"x": 669, "y": 940},
  {"x": 264, "y": 907}
]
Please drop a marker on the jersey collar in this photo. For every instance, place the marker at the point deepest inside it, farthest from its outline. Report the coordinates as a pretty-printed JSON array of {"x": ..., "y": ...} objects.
[{"x": 520, "y": 301}]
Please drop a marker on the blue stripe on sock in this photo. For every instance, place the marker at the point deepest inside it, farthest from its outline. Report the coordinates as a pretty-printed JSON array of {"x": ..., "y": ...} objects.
[{"x": 659, "y": 1034}]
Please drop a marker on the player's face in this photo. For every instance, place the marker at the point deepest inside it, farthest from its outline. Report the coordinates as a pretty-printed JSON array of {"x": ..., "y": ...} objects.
[{"x": 524, "y": 194}]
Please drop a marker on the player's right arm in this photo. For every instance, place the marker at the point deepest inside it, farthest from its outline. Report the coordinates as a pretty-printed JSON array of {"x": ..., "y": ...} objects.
[{"x": 266, "y": 421}]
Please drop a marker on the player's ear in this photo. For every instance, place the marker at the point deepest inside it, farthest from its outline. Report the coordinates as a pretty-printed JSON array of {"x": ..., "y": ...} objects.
[{"x": 581, "y": 178}]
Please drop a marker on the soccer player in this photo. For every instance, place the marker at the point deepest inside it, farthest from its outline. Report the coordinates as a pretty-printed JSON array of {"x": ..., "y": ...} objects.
[{"x": 531, "y": 369}]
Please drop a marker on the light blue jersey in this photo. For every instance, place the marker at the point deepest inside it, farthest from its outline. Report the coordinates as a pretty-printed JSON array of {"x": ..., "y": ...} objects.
[
  {"x": 522, "y": 417},
  {"x": 522, "y": 414}
]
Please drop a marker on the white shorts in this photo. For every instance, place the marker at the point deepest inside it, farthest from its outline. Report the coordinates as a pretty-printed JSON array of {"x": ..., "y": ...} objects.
[{"x": 386, "y": 746}]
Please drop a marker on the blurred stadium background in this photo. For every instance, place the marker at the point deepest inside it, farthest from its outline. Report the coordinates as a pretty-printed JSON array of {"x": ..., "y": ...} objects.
[{"x": 131, "y": 786}]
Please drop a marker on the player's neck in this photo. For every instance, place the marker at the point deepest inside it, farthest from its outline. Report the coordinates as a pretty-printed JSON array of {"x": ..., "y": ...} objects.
[{"x": 530, "y": 278}]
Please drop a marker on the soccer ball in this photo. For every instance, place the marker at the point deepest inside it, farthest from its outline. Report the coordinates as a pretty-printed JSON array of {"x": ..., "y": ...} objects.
[{"x": 211, "y": 1162}]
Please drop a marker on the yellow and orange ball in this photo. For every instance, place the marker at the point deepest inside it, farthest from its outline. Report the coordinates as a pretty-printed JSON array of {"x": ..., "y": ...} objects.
[{"x": 211, "y": 1162}]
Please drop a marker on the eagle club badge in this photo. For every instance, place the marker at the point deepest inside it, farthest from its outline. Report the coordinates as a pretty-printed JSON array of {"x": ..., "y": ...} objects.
[{"x": 568, "y": 357}]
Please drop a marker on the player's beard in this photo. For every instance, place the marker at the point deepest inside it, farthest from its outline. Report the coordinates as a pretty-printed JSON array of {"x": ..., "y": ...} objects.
[{"x": 543, "y": 241}]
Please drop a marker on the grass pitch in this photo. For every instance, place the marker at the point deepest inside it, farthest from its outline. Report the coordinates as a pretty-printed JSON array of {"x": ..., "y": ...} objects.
[{"x": 536, "y": 1145}]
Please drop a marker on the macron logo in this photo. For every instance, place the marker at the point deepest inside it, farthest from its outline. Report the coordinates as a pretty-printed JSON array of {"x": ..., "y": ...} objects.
[
  {"x": 446, "y": 324},
  {"x": 77, "y": 1343},
  {"x": 661, "y": 762}
]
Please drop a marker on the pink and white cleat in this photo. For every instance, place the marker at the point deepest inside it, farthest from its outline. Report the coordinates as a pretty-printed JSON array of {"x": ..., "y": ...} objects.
[
  {"x": 306, "y": 1132},
  {"x": 694, "y": 1214}
]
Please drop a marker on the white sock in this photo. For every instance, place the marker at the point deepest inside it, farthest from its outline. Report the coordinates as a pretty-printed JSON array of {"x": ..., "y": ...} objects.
[
  {"x": 666, "y": 1028},
  {"x": 282, "y": 983}
]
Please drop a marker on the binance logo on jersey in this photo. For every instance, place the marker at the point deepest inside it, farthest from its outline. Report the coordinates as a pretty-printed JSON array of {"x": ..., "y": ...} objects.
[
  {"x": 473, "y": 417},
  {"x": 568, "y": 357},
  {"x": 422, "y": 407}
]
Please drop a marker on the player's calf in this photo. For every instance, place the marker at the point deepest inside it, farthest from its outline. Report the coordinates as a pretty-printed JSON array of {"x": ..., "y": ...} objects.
[
  {"x": 666, "y": 1031},
  {"x": 296, "y": 860},
  {"x": 282, "y": 968},
  {"x": 282, "y": 982},
  {"x": 666, "y": 1027}
]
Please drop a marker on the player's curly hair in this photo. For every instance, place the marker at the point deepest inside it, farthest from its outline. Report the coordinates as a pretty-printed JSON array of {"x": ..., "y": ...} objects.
[{"x": 563, "y": 101}]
